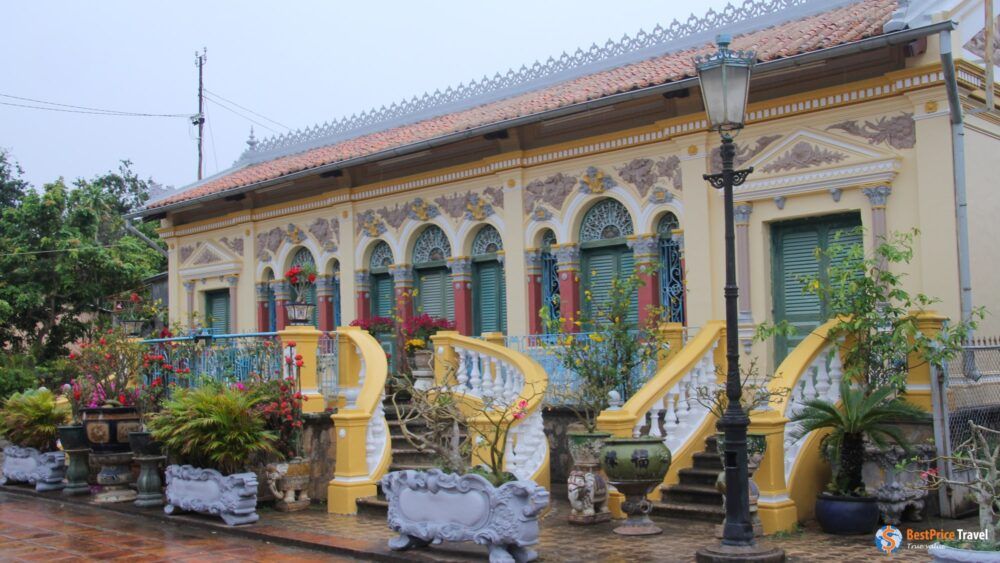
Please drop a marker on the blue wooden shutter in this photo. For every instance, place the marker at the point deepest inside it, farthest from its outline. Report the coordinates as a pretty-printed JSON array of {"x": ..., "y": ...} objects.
[
  {"x": 489, "y": 298},
  {"x": 336, "y": 302},
  {"x": 217, "y": 311},
  {"x": 272, "y": 309}
]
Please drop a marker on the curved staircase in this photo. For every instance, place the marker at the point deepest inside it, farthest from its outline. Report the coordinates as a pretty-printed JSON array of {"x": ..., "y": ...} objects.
[{"x": 695, "y": 496}]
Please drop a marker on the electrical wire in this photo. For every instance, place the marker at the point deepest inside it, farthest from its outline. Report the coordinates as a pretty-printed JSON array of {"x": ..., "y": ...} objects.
[
  {"x": 57, "y": 250},
  {"x": 250, "y": 119},
  {"x": 83, "y": 109},
  {"x": 211, "y": 135},
  {"x": 247, "y": 109}
]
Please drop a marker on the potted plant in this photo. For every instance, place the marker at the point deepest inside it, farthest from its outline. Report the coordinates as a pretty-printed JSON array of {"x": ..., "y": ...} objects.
[
  {"x": 607, "y": 360},
  {"x": 416, "y": 334},
  {"x": 214, "y": 434},
  {"x": 846, "y": 508},
  {"x": 977, "y": 460},
  {"x": 301, "y": 277},
  {"x": 459, "y": 502},
  {"x": 29, "y": 420},
  {"x": 133, "y": 312},
  {"x": 281, "y": 407},
  {"x": 72, "y": 435},
  {"x": 376, "y": 326}
]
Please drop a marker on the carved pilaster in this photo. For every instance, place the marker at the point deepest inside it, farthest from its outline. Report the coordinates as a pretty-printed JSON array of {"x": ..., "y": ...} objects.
[
  {"x": 282, "y": 291},
  {"x": 877, "y": 195},
  {"x": 533, "y": 261},
  {"x": 402, "y": 275},
  {"x": 677, "y": 235},
  {"x": 361, "y": 281},
  {"x": 262, "y": 289},
  {"x": 741, "y": 213},
  {"x": 461, "y": 268},
  {"x": 324, "y": 286},
  {"x": 567, "y": 257},
  {"x": 645, "y": 248}
]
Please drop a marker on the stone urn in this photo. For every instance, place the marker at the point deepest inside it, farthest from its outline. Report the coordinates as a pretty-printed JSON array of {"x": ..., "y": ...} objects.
[
  {"x": 587, "y": 488},
  {"x": 300, "y": 314},
  {"x": 635, "y": 466},
  {"x": 756, "y": 447},
  {"x": 431, "y": 506},
  {"x": 289, "y": 483},
  {"x": 72, "y": 437},
  {"x": 231, "y": 497},
  {"x": 107, "y": 428},
  {"x": 27, "y": 465},
  {"x": 421, "y": 368}
]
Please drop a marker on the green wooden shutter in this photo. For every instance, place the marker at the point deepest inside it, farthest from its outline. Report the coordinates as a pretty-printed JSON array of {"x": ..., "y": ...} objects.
[
  {"x": 434, "y": 293},
  {"x": 217, "y": 311},
  {"x": 601, "y": 266},
  {"x": 626, "y": 267},
  {"x": 489, "y": 298},
  {"x": 382, "y": 294},
  {"x": 311, "y": 299},
  {"x": 796, "y": 260}
]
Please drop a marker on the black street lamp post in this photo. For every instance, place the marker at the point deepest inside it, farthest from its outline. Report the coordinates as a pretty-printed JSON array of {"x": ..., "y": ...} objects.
[{"x": 725, "y": 83}]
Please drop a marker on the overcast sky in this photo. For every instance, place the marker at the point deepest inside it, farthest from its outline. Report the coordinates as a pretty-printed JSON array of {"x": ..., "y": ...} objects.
[{"x": 297, "y": 63}]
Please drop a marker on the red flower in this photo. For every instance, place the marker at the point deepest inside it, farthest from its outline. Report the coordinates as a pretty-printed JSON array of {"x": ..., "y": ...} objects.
[
  {"x": 299, "y": 363},
  {"x": 102, "y": 341},
  {"x": 291, "y": 344},
  {"x": 298, "y": 356},
  {"x": 134, "y": 297},
  {"x": 121, "y": 398},
  {"x": 312, "y": 278},
  {"x": 72, "y": 356}
]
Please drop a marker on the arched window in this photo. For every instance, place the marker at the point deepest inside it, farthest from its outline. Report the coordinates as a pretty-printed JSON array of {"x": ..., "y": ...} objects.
[
  {"x": 305, "y": 258},
  {"x": 605, "y": 254},
  {"x": 671, "y": 270},
  {"x": 489, "y": 294},
  {"x": 430, "y": 254},
  {"x": 550, "y": 276},
  {"x": 382, "y": 301}
]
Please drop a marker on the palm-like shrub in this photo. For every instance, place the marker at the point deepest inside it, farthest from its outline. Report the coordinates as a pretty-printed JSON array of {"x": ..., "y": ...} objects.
[
  {"x": 29, "y": 419},
  {"x": 858, "y": 416},
  {"x": 214, "y": 427}
]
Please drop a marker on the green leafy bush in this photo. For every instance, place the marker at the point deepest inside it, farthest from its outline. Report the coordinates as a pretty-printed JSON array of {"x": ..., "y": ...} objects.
[
  {"x": 29, "y": 419},
  {"x": 17, "y": 373},
  {"x": 214, "y": 427}
]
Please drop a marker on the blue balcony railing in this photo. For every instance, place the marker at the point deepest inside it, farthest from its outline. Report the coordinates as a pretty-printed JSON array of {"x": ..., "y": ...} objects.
[{"x": 194, "y": 359}]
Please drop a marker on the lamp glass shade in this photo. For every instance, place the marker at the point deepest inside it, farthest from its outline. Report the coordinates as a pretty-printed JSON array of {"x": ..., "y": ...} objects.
[{"x": 725, "y": 84}]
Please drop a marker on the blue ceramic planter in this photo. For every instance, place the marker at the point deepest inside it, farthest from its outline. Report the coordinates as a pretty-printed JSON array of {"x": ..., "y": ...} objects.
[{"x": 847, "y": 516}]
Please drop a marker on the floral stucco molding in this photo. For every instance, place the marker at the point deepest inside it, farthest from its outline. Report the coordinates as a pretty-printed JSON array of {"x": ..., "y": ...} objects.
[
  {"x": 471, "y": 205},
  {"x": 743, "y": 152},
  {"x": 417, "y": 210},
  {"x": 551, "y": 191},
  {"x": 207, "y": 257},
  {"x": 898, "y": 131},
  {"x": 369, "y": 224},
  {"x": 188, "y": 250},
  {"x": 235, "y": 244},
  {"x": 269, "y": 242},
  {"x": 643, "y": 173},
  {"x": 595, "y": 181},
  {"x": 326, "y": 232},
  {"x": 803, "y": 155}
]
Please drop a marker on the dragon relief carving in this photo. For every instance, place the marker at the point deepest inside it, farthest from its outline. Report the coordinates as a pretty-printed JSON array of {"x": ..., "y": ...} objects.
[
  {"x": 551, "y": 191},
  {"x": 595, "y": 181},
  {"x": 643, "y": 173},
  {"x": 743, "y": 152},
  {"x": 803, "y": 155},
  {"x": 235, "y": 244},
  {"x": 898, "y": 131},
  {"x": 369, "y": 224}
]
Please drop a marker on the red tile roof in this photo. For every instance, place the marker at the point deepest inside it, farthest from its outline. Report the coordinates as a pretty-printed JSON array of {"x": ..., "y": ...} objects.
[{"x": 838, "y": 26}]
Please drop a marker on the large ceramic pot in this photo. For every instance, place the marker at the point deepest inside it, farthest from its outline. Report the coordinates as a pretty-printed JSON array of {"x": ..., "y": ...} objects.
[
  {"x": 299, "y": 314},
  {"x": 108, "y": 428},
  {"x": 635, "y": 466},
  {"x": 847, "y": 515},
  {"x": 587, "y": 488},
  {"x": 946, "y": 554},
  {"x": 420, "y": 368},
  {"x": 232, "y": 497},
  {"x": 72, "y": 437},
  {"x": 143, "y": 444},
  {"x": 432, "y": 506}
]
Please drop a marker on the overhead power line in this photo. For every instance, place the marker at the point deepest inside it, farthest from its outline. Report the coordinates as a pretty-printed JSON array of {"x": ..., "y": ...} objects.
[
  {"x": 224, "y": 99},
  {"x": 235, "y": 112},
  {"x": 81, "y": 109}
]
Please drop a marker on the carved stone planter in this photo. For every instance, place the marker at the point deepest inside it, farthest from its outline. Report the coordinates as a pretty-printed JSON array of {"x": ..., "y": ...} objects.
[
  {"x": 431, "y": 506},
  {"x": 28, "y": 465},
  {"x": 231, "y": 497},
  {"x": 421, "y": 370},
  {"x": 586, "y": 487},
  {"x": 289, "y": 483}
]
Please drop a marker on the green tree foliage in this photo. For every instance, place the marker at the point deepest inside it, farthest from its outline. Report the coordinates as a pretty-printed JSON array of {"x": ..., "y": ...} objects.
[{"x": 63, "y": 252}]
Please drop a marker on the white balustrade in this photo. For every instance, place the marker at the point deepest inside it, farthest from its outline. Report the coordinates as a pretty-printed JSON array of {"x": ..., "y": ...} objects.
[
  {"x": 821, "y": 380},
  {"x": 376, "y": 436}
]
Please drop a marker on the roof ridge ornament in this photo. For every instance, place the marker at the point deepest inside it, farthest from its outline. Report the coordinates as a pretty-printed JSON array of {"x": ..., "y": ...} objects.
[{"x": 553, "y": 70}]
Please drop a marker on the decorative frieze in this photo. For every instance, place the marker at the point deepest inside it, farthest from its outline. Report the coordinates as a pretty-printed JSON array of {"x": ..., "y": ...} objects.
[
  {"x": 234, "y": 244},
  {"x": 803, "y": 155},
  {"x": 595, "y": 181},
  {"x": 643, "y": 173},
  {"x": 361, "y": 280},
  {"x": 743, "y": 152},
  {"x": 533, "y": 261},
  {"x": 367, "y": 223},
  {"x": 551, "y": 191},
  {"x": 326, "y": 232},
  {"x": 899, "y": 131},
  {"x": 471, "y": 205},
  {"x": 207, "y": 256}
]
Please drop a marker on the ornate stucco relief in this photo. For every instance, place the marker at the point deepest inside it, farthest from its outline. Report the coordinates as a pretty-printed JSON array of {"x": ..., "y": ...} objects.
[
  {"x": 898, "y": 131},
  {"x": 802, "y": 155},
  {"x": 417, "y": 210},
  {"x": 269, "y": 242},
  {"x": 471, "y": 205},
  {"x": 595, "y": 181},
  {"x": 643, "y": 173},
  {"x": 551, "y": 191},
  {"x": 188, "y": 250},
  {"x": 235, "y": 244},
  {"x": 744, "y": 152},
  {"x": 207, "y": 257},
  {"x": 326, "y": 232},
  {"x": 367, "y": 223},
  {"x": 977, "y": 44}
]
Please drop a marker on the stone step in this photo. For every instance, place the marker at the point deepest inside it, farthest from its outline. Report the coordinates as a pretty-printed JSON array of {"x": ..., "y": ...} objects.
[
  {"x": 706, "y": 460},
  {"x": 693, "y": 494},
  {"x": 394, "y": 466},
  {"x": 411, "y": 456},
  {"x": 689, "y": 511},
  {"x": 698, "y": 476},
  {"x": 373, "y": 506}
]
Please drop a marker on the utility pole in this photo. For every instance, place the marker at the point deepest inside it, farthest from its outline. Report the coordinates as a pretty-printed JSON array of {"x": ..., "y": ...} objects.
[{"x": 199, "y": 119}]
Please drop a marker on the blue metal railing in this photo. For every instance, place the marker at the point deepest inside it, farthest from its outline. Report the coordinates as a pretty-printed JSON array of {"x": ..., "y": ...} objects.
[
  {"x": 563, "y": 381},
  {"x": 188, "y": 360}
]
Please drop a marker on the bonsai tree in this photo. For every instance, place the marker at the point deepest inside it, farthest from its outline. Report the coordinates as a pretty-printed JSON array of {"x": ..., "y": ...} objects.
[
  {"x": 108, "y": 367},
  {"x": 860, "y": 414},
  {"x": 610, "y": 357},
  {"x": 215, "y": 427},
  {"x": 30, "y": 419}
]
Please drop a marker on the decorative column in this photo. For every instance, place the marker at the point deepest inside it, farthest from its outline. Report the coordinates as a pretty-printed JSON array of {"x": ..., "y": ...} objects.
[
  {"x": 741, "y": 216},
  {"x": 461, "y": 281},
  {"x": 645, "y": 251},
  {"x": 402, "y": 276},
  {"x": 282, "y": 293},
  {"x": 189, "y": 290},
  {"x": 263, "y": 314},
  {"x": 533, "y": 268},
  {"x": 568, "y": 261},
  {"x": 324, "y": 299},
  {"x": 362, "y": 295},
  {"x": 234, "y": 303},
  {"x": 878, "y": 196}
]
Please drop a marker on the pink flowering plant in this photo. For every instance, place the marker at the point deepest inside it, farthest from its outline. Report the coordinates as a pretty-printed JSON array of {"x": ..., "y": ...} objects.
[
  {"x": 376, "y": 325},
  {"x": 108, "y": 367}
]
